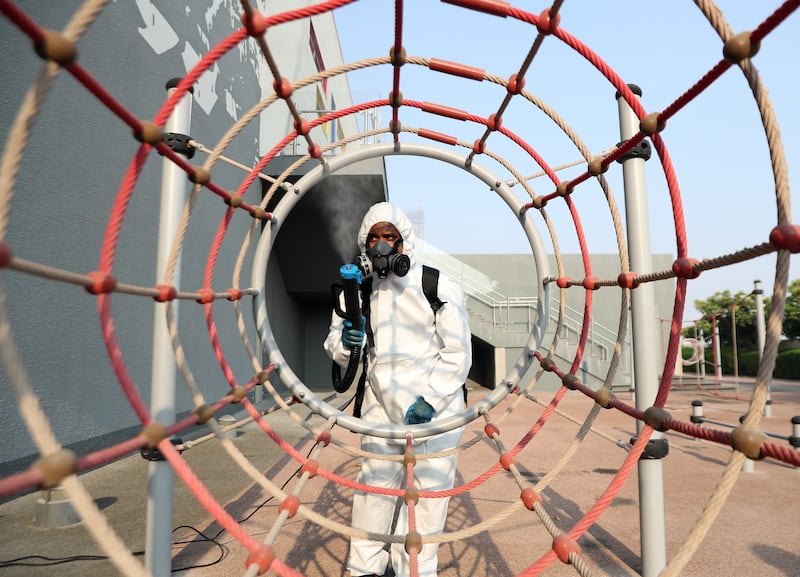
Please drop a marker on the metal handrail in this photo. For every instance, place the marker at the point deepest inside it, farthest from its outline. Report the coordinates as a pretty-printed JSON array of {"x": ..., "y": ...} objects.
[{"x": 482, "y": 288}]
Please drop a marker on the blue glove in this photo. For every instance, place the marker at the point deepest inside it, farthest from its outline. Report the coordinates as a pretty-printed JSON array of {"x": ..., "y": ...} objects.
[
  {"x": 352, "y": 338},
  {"x": 420, "y": 412}
]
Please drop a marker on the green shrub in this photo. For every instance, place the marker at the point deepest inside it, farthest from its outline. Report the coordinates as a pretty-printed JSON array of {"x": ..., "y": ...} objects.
[
  {"x": 748, "y": 363},
  {"x": 787, "y": 365}
]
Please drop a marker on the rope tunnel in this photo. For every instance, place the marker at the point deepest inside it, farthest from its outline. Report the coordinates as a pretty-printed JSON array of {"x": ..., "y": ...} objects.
[{"x": 481, "y": 143}]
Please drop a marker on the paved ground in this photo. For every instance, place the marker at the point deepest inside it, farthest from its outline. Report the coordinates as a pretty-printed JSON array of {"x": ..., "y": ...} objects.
[{"x": 756, "y": 534}]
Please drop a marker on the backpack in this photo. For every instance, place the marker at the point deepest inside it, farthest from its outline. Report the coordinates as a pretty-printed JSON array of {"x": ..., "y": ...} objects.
[{"x": 430, "y": 287}]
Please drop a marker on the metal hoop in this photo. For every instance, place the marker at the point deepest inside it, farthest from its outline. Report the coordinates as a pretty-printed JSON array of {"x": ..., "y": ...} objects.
[
  {"x": 698, "y": 351},
  {"x": 270, "y": 348}
]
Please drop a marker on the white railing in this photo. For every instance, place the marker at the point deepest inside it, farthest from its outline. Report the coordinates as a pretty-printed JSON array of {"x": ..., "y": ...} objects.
[{"x": 481, "y": 288}]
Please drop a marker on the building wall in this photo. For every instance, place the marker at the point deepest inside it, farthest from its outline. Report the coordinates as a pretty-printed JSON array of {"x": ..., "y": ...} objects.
[
  {"x": 516, "y": 277},
  {"x": 71, "y": 172}
]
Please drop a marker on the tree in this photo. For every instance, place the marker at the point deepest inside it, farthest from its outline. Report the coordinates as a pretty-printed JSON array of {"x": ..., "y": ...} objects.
[
  {"x": 791, "y": 316},
  {"x": 722, "y": 305}
]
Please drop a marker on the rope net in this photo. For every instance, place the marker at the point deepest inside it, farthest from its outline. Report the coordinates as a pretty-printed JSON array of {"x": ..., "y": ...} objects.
[{"x": 555, "y": 541}]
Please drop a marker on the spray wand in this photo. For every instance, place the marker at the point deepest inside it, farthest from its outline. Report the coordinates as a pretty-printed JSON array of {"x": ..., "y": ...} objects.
[{"x": 349, "y": 285}]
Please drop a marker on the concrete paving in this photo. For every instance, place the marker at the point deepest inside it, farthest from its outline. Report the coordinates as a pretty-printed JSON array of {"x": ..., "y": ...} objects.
[{"x": 755, "y": 535}]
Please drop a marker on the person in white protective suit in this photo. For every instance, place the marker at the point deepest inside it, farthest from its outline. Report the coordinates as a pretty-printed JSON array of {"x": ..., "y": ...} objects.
[{"x": 418, "y": 361}]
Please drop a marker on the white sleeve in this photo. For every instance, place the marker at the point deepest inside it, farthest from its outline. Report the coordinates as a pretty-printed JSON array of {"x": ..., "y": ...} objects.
[
  {"x": 333, "y": 343},
  {"x": 455, "y": 357}
]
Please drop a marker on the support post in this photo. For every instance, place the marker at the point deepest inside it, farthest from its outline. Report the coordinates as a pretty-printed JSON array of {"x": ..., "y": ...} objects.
[
  {"x": 702, "y": 359},
  {"x": 644, "y": 338},
  {"x": 761, "y": 334},
  {"x": 717, "y": 357},
  {"x": 158, "y": 539},
  {"x": 735, "y": 348}
]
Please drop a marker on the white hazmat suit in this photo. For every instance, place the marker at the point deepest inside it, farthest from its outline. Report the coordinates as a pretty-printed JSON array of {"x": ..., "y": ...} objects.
[{"x": 415, "y": 353}]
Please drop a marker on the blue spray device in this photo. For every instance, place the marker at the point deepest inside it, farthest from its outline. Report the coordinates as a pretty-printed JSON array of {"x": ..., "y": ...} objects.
[{"x": 349, "y": 290}]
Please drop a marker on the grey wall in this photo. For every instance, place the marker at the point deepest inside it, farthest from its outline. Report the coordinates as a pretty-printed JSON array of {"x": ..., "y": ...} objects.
[
  {"x": 516, "y": 275},
  {"x": 72, "y": 169}
]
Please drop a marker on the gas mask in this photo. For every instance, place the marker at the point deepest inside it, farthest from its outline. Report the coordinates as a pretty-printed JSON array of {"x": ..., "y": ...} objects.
[{"x": 382, "y": 259}]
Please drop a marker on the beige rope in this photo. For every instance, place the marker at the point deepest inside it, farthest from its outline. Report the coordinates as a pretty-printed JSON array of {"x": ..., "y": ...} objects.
[
  {"x": 577, "y": 421},
  {"x": 774, "y": 329},
  {"x": 34, "y": 99},
  {"x": 29, "y": 408},
  {"x": 29, "y": 403}
]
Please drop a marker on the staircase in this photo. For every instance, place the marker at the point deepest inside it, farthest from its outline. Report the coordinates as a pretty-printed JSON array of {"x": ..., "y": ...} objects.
[{"x": 504, "y": 321}]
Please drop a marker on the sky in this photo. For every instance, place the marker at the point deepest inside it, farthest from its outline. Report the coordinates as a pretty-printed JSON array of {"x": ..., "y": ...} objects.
[{"x": 716, "y": 143}]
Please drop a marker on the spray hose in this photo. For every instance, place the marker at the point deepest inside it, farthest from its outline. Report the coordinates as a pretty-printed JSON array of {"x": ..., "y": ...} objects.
[{"x": 348, "y": 286}]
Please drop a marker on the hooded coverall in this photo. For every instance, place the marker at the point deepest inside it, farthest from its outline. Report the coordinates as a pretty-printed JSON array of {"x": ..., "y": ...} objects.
[{"x": 416, "y": 353}]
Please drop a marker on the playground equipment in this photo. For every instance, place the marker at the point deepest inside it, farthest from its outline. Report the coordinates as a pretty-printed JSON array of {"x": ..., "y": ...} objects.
[{"x": 59, "y": 467}]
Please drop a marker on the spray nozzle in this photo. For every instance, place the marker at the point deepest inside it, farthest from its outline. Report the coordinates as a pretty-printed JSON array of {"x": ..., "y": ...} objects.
[
  {"x": 351, "y": 272},
  {"x": 351, "y": 277},
  {"x": 348, "y": 291}
]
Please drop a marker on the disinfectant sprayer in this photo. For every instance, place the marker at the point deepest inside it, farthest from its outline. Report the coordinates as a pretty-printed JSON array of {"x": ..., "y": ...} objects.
[
  {"x": 380, "y": 260},
  {"x": 350, "y": 286}
]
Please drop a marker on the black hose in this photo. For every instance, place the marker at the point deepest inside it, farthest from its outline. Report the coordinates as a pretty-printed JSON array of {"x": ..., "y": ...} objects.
[
  {"x": 348, "y": 288},
  {"x": 340, "y": 385}
]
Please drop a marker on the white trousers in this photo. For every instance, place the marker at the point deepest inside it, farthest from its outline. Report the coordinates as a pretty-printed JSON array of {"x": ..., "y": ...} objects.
[{"x": 374, "y": 513}]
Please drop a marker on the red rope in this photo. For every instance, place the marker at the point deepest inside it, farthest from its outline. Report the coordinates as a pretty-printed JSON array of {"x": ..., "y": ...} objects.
[
  {"x": 19, "y": 482},
  {"x": 307, "y": 11},
  {"x": 209, "y": 307},
  {"x": 198, "y": 489},
  {"x": 117, "y": 361},
  {"x": 774, "y": 20},
  {"x": 111, "y": 238},
  {"x": 674, "y": 194},
  {"x": 300, "y": 458},
  {"x": 23, "y": 22},
  {"x": 335, "y": 114},
  {"x": 600, "y": 505},
  {"x": 777, "y": 452},
  {"x": 788, "y": 455},
  {"x": 33, "y": 477},
  {"x": 674, "y": 343},
  {"x": 91, "y": 84},
  {"x": 540, "y": 422}
]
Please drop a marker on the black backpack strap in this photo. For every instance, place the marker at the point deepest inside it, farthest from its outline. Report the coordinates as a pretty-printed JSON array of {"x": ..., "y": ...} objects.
[
  {"x": 430, "y": 286},
  {"x": 360, "y": 388},
  {"x": 366, "y": 291}
]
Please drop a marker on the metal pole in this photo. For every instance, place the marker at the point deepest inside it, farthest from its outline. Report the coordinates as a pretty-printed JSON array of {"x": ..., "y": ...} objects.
[
  {"x": 158, "y": 557},
  {"x": 735, "y": 349},
  {"x": 644, "y": 338},
  {"x": 761, "y": 334},
  {"x": 717, "y": 359},
  {"x": 702, "y": 359}
]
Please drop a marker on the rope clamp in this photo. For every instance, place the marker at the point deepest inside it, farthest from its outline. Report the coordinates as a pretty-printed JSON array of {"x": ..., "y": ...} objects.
[
  {"x": 655, "y": 449},
  {"x": 179, "y": 143},
  {"x": 641, "y": 150},
  {"x": 153, "y": 454}
]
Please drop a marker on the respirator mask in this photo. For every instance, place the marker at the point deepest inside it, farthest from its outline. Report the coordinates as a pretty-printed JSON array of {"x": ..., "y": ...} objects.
[{"x": 382, "y": 259}]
